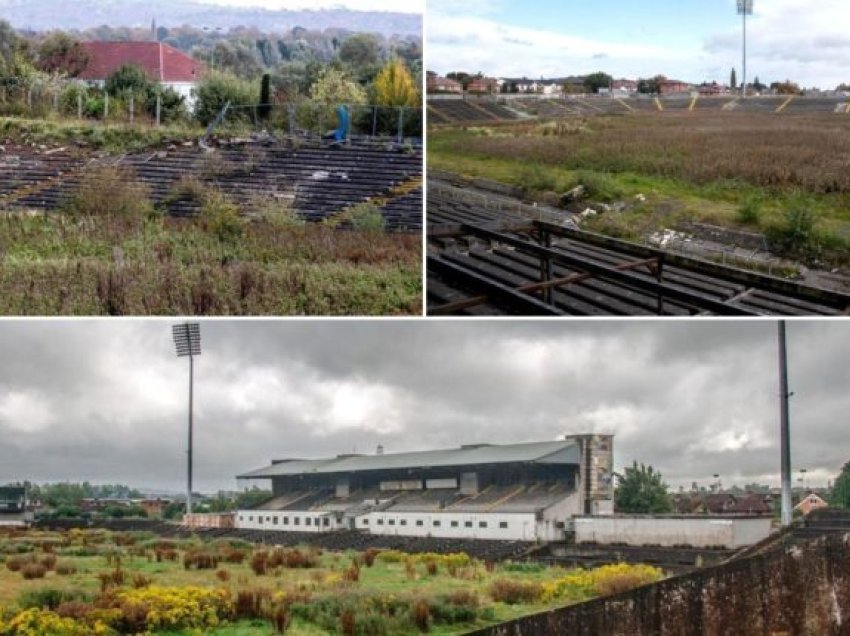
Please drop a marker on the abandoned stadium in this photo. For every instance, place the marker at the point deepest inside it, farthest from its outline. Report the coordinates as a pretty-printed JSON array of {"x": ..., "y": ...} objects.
[{"x": 517, "y": 492}]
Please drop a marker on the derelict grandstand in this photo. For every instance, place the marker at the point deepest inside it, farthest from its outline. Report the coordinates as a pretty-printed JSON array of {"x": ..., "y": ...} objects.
[{"x": 514, "y": 492}]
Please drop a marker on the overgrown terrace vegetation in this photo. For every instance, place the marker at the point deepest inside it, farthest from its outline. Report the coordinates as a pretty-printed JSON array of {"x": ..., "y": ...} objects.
[
  {"x": 98, "y": 582},
  {"x": 111, "y": 252},
  {"x": 785, "y": 176}
]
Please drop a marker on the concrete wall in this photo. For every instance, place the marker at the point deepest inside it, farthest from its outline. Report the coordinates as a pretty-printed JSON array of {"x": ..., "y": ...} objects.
[
  {"x": 799, "y": 590},
  {"x": 699, "y": 532},
  {"x": 454, "y": 525},
  {"x": 292, "y": 520}
]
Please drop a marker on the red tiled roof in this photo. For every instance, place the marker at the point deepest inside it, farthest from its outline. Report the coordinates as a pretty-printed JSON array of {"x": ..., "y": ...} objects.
[{"x": 161, "y": 62}]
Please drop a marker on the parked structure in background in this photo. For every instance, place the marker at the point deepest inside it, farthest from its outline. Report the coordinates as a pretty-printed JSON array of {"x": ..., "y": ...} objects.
[
  {"x": 809, "y": 503},
  {"x": 161, "y": 63},
  {"x": 14, "y": 508},
  {"x": 209, "y": 520},
  {"x": 520, "y": 492}
]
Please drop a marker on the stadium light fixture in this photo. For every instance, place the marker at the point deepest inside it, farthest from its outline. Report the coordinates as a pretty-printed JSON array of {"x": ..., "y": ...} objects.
[
  {"x": 785, "y": 428},
  {"x": 745, "y": 8},
  {"x": 187, "y": 342}
]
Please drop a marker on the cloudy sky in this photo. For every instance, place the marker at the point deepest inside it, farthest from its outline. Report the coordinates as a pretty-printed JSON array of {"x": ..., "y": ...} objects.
[
  {"x": 409, "y": 6},
  {"x": 693, "y": 40},
  {"x": 106, "y": 401}
]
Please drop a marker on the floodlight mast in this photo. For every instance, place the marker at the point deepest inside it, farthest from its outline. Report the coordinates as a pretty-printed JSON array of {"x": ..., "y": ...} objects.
[
  {"x": 785, "y": 428},
  {"x": 745, "y": 8},
  {"x": 187, "y": 342}
]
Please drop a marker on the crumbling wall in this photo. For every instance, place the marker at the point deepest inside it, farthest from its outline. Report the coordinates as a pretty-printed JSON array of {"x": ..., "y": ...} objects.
[{"x": 803, "y": 590}]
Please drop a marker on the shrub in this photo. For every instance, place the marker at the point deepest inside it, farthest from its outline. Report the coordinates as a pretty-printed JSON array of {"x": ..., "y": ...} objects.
[
  {"x": 260, "y": 562},
  {"x": 35, "y": 621},
  {"x": 600, "y": 186},
  {"x": 223, "y": 575},
  {"x": 48, "y": 561},
  {"x": 795, "y": 234},
  {"x": 515, "y": 592},
  {"x": 111, "y": 197},
  {"x": 200, "y": 560},
  {"x": 16, "y": 563},
  {"x": 348, "y": 622},
  {"x": 249, "y": 602},
  {"x": 352, "y": 573},
  {"x": 140, "y": 580},
  {"x": 365, "y": 217},
  {"x": 750, "y": 212},
  {"x": 420, "y": 614},
  {"x": 170, "y": 608},
  {"x": 65, "y": 568},
  {"x": 48, "y": 598},
  {"x": 220, "y": 216},
  {"x": 613, "y": 579},
  {"x": 33, "y": 571},
  {"x": 369, "y": 557},
  {"x": 218, "y": 88},
  {"x": 534, "y": 177},
  {"x": 432, "y": 568}
]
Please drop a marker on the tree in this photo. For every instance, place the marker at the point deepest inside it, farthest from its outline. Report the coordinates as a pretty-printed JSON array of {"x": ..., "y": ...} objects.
[
  {"x": 62, "y": 54},
  {"x": 127, "y": 79},
  {"x": 757, "y": 85},
  {"x": 840, "y": 494},
  {"x": 733, "y": 79},
  {"x": 642, "y": 491},
  {"x": 786, "y": 88},
  {"x": 395, "y": 87},
  {"x": 265, "y": 107},
  {"x": 360, "y": 50},
  {"x": 595, "y": 81},
  {"x": 650, "y": 86},
  {"x": 333, "y": 87}
]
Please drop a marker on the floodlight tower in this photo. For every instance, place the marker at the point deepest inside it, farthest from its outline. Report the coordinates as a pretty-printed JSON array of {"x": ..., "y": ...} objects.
[
  {"x": 785, "y": 428},
  {"x": 745, "y": 8},
  {"x": 187, "y": 341}
]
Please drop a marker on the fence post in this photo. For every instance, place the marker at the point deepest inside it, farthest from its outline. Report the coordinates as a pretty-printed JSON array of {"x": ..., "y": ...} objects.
[
  {"x": 29, "y": 99},
  {"x": 56, "y": 103},
  {"x": 105, "y": 106},
  {"x": 401, "y": 124},
  {"x": 374, "y": 120},
  {"x": 132, "y": 108},
  {"x": 79, "y": 105},
  {"x": 348, "y": 128},
  {"x": 158, "y": 110},
  {"x": 290, "y": 111}
]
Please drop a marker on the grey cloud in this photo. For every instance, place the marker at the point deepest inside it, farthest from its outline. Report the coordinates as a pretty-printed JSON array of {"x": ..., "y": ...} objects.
[{"x": 116, "y": 394}]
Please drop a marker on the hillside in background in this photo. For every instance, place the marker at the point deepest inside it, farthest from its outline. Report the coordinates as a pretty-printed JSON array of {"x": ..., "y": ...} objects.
[{"x": 39, "y": 15}]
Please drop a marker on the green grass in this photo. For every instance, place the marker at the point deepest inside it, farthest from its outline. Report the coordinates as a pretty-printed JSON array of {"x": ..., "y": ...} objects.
[
  {"x": 672, "y": 197},
  {"x": 110, "y": 252},
  {"x": 112, "y": 137},
  {"x": 386, "y": 583}
]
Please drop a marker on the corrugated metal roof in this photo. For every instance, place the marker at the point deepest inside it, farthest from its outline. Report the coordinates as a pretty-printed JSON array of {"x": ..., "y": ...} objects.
[{"x": 565, "y": 451}]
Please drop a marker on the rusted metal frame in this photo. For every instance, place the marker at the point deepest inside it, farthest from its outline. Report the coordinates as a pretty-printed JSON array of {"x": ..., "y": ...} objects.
[
  {"x": 529, "y": 288},
  {"x": 762, "y": 282},
  {"x": 608, "y": 272},
  {"x": 522, "y": 303},
  {"x": 546, "y": 266}
]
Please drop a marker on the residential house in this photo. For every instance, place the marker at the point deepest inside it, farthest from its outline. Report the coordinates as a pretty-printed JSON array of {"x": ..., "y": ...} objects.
[
  {"x": 483, "y": 85},
  {"x": 810, "y": 502},
  {"x": 160, "y": 62},
  {"x": 437, "y": 84}
]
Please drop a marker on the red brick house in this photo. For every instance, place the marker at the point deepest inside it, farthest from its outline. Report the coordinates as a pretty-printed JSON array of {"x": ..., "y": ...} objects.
[
  {"x": 437, "y": 84},
  {"x": 483, "y": 85},
  {"x": 160, "y": 62},
  {"x": 667, "y": 87}
]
